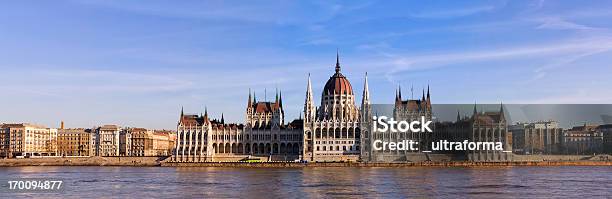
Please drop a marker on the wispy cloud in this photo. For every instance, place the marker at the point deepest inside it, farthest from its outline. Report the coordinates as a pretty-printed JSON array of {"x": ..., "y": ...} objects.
[
  {"x": 316, "y": 41},
  {"x": 559, "y": 23},
  {"x": 452, "y": 13},
  {"x": 261, "y": 12},
  {"x": 542, "y": 71},
  {"x": 66, "y": 82},
  {"x": 403, "y": 63}
]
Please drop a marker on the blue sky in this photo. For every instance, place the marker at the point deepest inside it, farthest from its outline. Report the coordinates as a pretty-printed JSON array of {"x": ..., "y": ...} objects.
[{"x": 135, "y": 63}]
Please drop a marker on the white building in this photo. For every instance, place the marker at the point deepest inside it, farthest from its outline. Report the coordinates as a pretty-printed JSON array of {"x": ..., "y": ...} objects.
[
  {"x": 107, "y": 140},
  {"x": 263, "y": 136},
  {"x": 332, "y": 131},
  {"x": 27, "y": 140}
]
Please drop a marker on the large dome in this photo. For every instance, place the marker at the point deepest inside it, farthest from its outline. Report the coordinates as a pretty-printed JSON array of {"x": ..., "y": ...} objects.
[{"x": 337, "y": 83}]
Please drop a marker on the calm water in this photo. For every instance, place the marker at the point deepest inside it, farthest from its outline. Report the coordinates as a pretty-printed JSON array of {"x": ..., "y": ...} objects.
[{"x": 148, "y": 182}]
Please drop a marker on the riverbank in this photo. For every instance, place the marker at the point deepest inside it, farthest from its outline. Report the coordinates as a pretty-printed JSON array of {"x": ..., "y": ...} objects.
[
  {"x": 161, "y": 161},
  {"x": 361, "y": 164},
  {"x": 83, "y": 161}
]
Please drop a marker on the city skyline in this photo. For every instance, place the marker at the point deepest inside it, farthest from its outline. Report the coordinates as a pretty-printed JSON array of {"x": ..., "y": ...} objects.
[{"x": 74, "y": 61}]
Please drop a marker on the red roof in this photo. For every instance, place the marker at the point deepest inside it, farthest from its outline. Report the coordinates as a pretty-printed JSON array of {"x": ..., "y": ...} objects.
[
  {"x": 415, "y": 105},
  {"x": 488, "y": 118},
  {"x": 265, "y": 107},
  {"x": 192, "y": 120},
  {"x": 338, "y": 84}
]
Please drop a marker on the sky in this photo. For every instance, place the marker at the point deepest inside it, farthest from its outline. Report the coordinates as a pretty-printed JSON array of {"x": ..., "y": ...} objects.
[{"x": 136, "y": 63}]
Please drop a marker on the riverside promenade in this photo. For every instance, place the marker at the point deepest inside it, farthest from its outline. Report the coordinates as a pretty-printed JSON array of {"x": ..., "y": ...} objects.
[
  {"x": 403, "y": 164},
  {"x": 83, "y": 161},
  {"x": 164, "y": 161}
]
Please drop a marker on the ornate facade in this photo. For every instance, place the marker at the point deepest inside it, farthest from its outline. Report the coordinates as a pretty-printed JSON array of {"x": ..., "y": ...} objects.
[
  {"x": 490, "y": 127},
  {"x": 332, "y": 131},
  {"x": 403, "y": 110},
  {"x": 264, "y": 135},
  {"x": 336, "y": 130}
]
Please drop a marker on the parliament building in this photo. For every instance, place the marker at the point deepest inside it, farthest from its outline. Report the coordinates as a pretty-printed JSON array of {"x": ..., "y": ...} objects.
[
  {"x": 332, "y": 131},
  {"x": 337, "y": 130}
]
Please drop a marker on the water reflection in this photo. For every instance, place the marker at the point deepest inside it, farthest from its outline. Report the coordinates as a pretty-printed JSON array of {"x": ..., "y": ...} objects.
[{"x": 335, "y": 182}]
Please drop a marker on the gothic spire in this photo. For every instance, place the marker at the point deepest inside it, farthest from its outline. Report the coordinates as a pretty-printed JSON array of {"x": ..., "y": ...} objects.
[
  {"x": 337, "y": 61},
  {"x": 309, "y": 108},
  {"x": 309, "y": 91},
  {"x": 205, "y": 111},
  {"x": 396, "y": 96},
  {"x": 427, "y": 92},
  {"x": 475, "y": 111},
  {"x": 249, "y": 103},
  {"x": 182, "y": 113},
  {"x": 501, "y": 110},
  {"x": 423, "y": 96},
  {"x": 399, "y": 88},
  {"x": 458, "y": 116},
  {"x": 222, "y": 119},
  {"x": 366, "y": 91},
  {"x": 280, "y": 98}
]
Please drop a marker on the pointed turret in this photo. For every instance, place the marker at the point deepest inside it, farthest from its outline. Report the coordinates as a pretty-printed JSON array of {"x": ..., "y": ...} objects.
[
  {"x": 423, "y": 96},
  {"x": 222, "y": 119},
  {"x": 475, "y": 111},
  {"x": 458, "y": 116},
  {"x": 501, "y": 111},
  {"x": 366, "y": 91},
  {"x": 249, "y": 103},
  {"x": 399, "y": 88},
  {"x": 205, "y": 116},
  {"x": 280, "y": 99},
  {"x": 276, "y": 92},
  {"x": 337, "y": 61},
  {"x": 309, "y": 108},
  {"x": 309, "y": 98},
  {"x": 366, "y": 110},
  {"x": 428, "y": 92},
  {"x": 181, "y": 117},
  {"x": 428, "y": 98},
  {"x": 396, "y": 96}
]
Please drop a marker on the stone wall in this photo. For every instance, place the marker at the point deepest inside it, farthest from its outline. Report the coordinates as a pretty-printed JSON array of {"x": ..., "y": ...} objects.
[
  {"x": 408, "y": 164},
  {"x": 532, "y": 158},
  {"x": 84, "y": 161}
]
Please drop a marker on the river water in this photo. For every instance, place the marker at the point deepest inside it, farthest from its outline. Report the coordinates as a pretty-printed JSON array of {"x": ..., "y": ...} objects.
[{"x": 349, "y": 182}]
